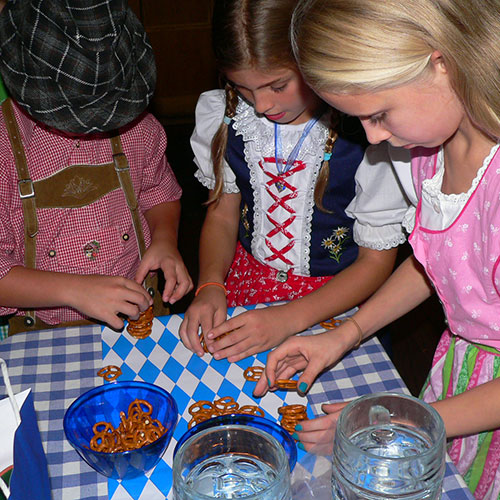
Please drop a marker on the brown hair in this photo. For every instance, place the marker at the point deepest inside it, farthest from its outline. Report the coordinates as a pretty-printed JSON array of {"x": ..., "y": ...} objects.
[{"x": 253, "y": 34}]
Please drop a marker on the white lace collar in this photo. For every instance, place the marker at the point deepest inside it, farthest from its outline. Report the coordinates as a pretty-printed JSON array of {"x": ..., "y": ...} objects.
[
  {"x": 432, "y": 187},
  {"x": 260, "y": 131}
]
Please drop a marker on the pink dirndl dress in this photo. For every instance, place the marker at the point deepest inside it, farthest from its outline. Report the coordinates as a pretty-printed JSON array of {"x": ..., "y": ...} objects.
[
  {"x": 462, "y": 261},
  {"x": 251, "y": 282}
]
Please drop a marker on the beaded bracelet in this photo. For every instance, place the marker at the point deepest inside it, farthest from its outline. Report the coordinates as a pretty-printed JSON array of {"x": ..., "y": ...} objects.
[
  {"x": 360, "y": 332},
  {"x": 214, "y": 283}
]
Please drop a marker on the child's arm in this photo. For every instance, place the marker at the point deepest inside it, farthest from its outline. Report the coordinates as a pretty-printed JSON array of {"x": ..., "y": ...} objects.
[
  {"x": 96, "y": 296},
  {"x": 219, "y": 235},
  {"x": 403, "y": 291},
  {"x": 473, "y": 411},
  {"x": 163, "y": 221},
  {"x": 262, "y": 329}
]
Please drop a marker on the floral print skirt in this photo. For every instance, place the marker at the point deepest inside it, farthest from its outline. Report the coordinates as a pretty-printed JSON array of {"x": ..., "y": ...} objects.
[{"x": 250, "y": 282}]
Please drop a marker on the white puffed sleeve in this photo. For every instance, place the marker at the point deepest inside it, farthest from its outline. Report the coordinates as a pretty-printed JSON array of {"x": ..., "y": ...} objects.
[
  {"x": 383, "y": 199},
  {"x": 209, "y": 115}
]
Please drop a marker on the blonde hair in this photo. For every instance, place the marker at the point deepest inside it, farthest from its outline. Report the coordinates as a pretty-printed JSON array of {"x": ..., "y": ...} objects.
[
  {"x": 254, "y": 34},
  {"x": 355, "y": 46}
]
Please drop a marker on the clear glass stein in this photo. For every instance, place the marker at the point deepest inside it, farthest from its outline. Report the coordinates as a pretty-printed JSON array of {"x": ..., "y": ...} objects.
[
  {"x": 231, "y": 461},
  {"x": 388, "y": 446}
]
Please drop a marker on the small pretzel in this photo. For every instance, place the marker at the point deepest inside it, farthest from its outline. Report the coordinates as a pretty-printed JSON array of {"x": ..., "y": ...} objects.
[
  {"x": 136, "y": 429},
  {"x": 200, "y": 407},
  {"x": 253, "y": 373},
  {"x": 331, "y": 323},
  {"x": 226, "y": 403},
  {"x": 136, "y": 408},
  {"x": 291, "y": 409},
  {"x": 291, "y": 415},
  {"x": 251, "y": 410},
  {"x": 204, "y": 344},
  {"x": 204, "y": 410},
  {"x": 110, "y": 372},
  {"x": 286, "y": 384},
  {"x": 141, "y": 327}
]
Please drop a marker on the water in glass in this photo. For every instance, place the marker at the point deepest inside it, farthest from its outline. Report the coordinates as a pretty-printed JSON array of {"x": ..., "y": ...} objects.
[
  {"x": 232, "y": 476},
  {"x": 388, "y": 446},
  {"x": 229, "y": 462}
]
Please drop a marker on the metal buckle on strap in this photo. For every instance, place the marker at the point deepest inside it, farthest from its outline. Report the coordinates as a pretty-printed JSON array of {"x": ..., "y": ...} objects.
[
  {"x": 23, "y": 185},
  {"x": 120, "y": 159}
]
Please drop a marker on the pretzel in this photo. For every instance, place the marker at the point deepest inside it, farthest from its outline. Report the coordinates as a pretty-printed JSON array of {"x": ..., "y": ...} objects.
[
  {"x": 253, "y": 373},
  {"x": 331, "y": 323},
  {"x": 141, "y": 327},
  {"x": 110, "y": 372},
  {"x": 204, "y": 410},
  {"x": 136, "y": 429},
  {"x": 286, "y": 384},
  {"x": 204, "y": 344},
  {"x": 291, "y": 415}
]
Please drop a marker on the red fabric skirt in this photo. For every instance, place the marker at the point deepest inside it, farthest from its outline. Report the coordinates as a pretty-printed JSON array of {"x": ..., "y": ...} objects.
[{"x": 250, "y": 282}]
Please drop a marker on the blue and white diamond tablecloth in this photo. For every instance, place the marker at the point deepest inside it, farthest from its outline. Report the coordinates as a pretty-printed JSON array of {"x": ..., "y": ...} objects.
[
  {"x": 61, "y": 364},
  {"x": 163, "y": 360}
]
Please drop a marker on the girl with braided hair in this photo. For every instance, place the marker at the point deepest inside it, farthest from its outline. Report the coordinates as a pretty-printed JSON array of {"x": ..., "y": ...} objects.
[{"x": 280, "y": 166}]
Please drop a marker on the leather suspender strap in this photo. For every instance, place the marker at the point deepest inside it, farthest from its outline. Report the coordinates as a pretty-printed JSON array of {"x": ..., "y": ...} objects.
[
  {"x": 123, "y": 172},
  {"x": 25, "y": 189}
]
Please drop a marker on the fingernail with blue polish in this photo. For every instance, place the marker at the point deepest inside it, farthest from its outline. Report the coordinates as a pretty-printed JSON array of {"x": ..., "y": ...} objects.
[
  {"x": 298, "y": 427},
  {"x": 303, "y": 387},
  {"x": 301, "y": 446}
]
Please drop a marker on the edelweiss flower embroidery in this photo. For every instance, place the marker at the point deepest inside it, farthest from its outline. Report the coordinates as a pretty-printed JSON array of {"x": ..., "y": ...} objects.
[
  {"x": 335, "y": 243},
  {"x": 78, "y": 187}
]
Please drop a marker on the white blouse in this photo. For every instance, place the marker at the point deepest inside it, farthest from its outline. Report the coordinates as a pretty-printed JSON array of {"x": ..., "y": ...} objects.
[
  {"x": 378, "y": 207},
  {"x": 440, "y": 210}
]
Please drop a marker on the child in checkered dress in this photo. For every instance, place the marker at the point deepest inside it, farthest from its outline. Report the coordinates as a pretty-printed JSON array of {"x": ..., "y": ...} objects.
[
  {"x": 280, "y": 166},
  {"x": 89, "y": 204}
]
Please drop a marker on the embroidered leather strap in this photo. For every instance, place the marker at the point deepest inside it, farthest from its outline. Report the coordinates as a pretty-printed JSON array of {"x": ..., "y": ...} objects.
[{"x": 26, "y": 192}]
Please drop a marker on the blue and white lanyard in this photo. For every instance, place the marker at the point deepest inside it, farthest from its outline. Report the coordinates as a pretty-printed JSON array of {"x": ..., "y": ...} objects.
[{"x": 278, "y": 148}]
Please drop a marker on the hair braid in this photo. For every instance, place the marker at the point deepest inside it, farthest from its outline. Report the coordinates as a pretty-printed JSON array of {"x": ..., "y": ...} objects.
[
  {"x": 219, "y": 144},
  {"x": 324, "y": 173}
]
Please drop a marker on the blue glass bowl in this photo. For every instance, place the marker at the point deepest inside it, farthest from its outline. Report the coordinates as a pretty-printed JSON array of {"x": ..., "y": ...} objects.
[
  {"x": 280, "y": 434},
  {"x": 104, "y": 404}
]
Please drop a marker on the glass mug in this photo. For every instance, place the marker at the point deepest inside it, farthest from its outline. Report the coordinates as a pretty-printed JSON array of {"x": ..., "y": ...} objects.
[
  {"x": 388, "y": 446},
  {"x": 231, "y": 461}
]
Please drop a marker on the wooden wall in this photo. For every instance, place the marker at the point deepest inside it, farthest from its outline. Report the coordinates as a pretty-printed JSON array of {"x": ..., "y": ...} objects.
[{"x": 179, "y": 31}]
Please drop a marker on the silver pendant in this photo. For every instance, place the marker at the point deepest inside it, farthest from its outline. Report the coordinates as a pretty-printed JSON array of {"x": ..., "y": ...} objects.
[
  {"x": 282, "y": 276},
  {"x": 280, "y": 186}
]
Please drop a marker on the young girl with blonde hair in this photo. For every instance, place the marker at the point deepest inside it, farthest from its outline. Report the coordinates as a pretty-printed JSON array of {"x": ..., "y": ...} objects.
[
  {"x": 423, "y": 75},
  {"x": 280, "y": 167}
]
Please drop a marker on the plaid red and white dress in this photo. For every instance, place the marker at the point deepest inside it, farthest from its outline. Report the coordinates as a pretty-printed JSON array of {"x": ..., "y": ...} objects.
[{"x": 95, "y": 239}]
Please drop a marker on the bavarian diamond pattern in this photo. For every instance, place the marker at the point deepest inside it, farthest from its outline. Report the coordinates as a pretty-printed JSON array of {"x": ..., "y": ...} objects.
[{"x": 163, "y": 360}]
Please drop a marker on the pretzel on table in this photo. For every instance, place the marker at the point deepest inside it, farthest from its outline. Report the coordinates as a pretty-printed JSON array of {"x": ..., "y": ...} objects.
[{"x": 110, "y": 372}]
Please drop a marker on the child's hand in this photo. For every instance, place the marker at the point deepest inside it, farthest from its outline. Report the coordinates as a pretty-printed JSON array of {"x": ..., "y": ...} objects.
[
  {"x": 250, "y": 332},
  {"x": 162, "y": 255},
  {"x": 207, "y": 310},
  {"x": 312, "y": 354},
  {"x": 105, "y": 297},
  {"x": 317, "y": 434}
]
